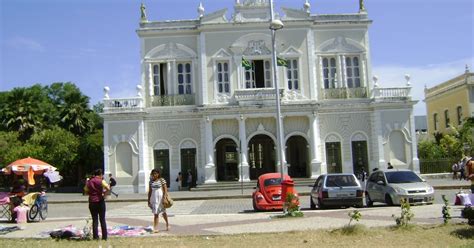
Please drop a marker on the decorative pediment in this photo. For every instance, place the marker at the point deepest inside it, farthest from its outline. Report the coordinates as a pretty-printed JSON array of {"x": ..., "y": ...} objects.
[
  {"x": 222, "y": 53},
  {"x": 256, "y": 47},
  {"x": 215, "y": 17},
  {"x": 188, "y": 144},
  {"x": 170, "y": 51},
  {"x": 333, "y": 138},
  {"x": 260, "y": 127},
  {"x": 291, "y": 52},
  {"x": 292, "y": 14},
  {"x": 340, "y": 44},
  {"x": 161, "y": 146},
  {"x": 252, "y": 10},
  {"x": 359, "y": 137}
]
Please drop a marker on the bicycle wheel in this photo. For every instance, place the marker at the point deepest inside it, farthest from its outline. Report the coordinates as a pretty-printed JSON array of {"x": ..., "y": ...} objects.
[
  {"x": 33, "y": 212},
  {"x": 44, "y": 211}
]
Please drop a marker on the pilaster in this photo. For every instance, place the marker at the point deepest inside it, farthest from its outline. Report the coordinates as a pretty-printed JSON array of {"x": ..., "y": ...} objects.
[
  {"x": 315, "y": 147},
  {"x": 203, "y": 68},
  {"x": 210, "y": 166},
  {"x": 142, "y": 161},
  {"x": 415, "y": 162},
  {"x": 377, "y": 137},
  {"x": 311, "y": 64},
  {"x": 244, "y": 169}
]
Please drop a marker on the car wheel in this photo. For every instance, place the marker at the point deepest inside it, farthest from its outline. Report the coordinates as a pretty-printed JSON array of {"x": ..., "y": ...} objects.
[
  {"x": 368, "y": 201},
  {"x": 388, "y": 200},
  {"x": 311, "y": 203},
  {"x": 320, "y": 204},
  {"x": 255, "y": 206}
]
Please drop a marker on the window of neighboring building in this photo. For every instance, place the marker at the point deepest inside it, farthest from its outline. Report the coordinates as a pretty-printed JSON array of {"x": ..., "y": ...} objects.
[
  {"x": 184, "y": 78},
  {"x": 446, "y": 117},
  {"x": 223, "y": 84},
  {"x": 459, "y": 112},
  {"x": 259, "y": 75},
  {"x": 352, "y": 72},
  {"x": 159, "y": 79},
  {"x": 329, "y": 72},
  {"x": 435, "y": 121},
  {"x": 292, "y": 74}
]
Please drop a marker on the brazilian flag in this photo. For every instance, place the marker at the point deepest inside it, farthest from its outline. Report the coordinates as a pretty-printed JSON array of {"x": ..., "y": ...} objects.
[
  {"x": 246, "y": 64},
  {"x": 282, "y": 62}
]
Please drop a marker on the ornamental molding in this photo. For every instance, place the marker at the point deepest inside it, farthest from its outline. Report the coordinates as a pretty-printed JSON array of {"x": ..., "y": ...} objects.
[
  {"x": 123, "y": 138},
  {"x": 222, "y": 54},
  {"x": 169, "y": 51},
  {"x": 215, "y": 17},
  {"x": 254, "y": 44},
  {"x": 291, "y": 52},
  {"x": 341, "y": 44},
  {"x": 256, "y": 47},
  {"x": 359, "y": 137},
  {"x": 161, "y": 145},
  {"x": 188, "y": 144},
  {"x": 295, "y": 14},
  {"x": 333, "y": 138},
  {"x": 403, "y": 127}
]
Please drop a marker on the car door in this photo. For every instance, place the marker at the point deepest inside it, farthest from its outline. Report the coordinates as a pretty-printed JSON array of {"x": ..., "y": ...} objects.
[
  {"x": 317, "y": 188},
  {"x": 374, "y": 189}
]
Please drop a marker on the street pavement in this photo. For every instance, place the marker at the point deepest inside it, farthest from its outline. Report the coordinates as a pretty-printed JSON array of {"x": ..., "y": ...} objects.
[{"x": 207, "y": 213}]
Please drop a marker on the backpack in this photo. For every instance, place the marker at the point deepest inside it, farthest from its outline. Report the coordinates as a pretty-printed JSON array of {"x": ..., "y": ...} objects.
[{"x": 112, "y": 182}]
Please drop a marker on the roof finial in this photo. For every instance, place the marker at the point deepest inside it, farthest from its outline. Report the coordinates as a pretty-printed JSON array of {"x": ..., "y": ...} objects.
[
  {"x": 361, "y": 6},
  {"x": 200, "y": 10},
  {"x": 307, "y": 7},
  {"x": 143, "y": 13}
]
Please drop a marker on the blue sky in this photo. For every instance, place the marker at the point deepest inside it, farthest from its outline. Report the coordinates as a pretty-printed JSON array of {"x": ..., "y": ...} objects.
[{"x": 93, "y": 42}]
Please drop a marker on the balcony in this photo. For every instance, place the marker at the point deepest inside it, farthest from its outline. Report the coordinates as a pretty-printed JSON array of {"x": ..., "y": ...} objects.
[
  {"x": 123, "y": 104},
  {"x": 394, "y": 93},
  {"x": 345, "y": 93},
  {"x": 173, "y": 100}
]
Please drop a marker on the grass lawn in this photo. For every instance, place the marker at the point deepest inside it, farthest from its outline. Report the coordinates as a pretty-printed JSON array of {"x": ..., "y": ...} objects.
[{"x": 455, "y": 235}]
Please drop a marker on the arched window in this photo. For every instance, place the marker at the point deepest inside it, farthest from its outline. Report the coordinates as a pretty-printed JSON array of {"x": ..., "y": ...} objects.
[
  {"x": 459, "y": 112},
  {"x": 435, "y": 121},
  {"x": 446, "y": 117}
]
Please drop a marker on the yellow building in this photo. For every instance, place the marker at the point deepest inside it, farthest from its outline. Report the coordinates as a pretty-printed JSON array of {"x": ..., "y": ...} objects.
[{"x": 449, "y": 103}]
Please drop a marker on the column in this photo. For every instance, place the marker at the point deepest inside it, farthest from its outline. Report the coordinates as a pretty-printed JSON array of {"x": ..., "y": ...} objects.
[
  {"x": 363, "y": 75},
  {"x": 340, "y": 83},
  {"x": 415, "y": 162},
  {"x": 320, "y": 78},
  {"x": 142, "y": 159},
  {"x": 106, "y": 150},
  {"x": 150, "y": 80},
  {"x": 377, "y": 142},
  {"x": 343, "y": 71},
  {"x": 244, "y": 170},
  {"x": 203, "y": 69},
  {"x": 315, "y": 146},
  {"x": 311, "y": 64},
  {"x": 210, "y": 167}
]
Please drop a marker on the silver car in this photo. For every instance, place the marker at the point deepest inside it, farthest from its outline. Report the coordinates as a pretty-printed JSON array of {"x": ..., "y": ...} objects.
[
  {"x": 336, "y": 190},
  {"x": 390, "y": 186}
]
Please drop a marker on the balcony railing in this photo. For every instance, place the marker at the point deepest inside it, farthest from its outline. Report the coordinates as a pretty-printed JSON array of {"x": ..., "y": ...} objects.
[
  {"x": 123, "y": 104},
  {"x": 261, "y": 94},
  {"x": 395, "y": 93},
  {"x": 344, "y": 93},
  {"x": 173, "y": 100}
]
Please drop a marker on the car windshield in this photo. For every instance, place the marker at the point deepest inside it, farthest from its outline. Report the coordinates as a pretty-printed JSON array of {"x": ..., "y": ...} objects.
[
  {"x": 272, "y": 181},
  {"x": 402, "y": 177},
  {"x": 341, "y": 181}
]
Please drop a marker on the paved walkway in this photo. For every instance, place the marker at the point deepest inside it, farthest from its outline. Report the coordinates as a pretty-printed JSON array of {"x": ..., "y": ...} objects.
[{"x": 248, "y": 222}]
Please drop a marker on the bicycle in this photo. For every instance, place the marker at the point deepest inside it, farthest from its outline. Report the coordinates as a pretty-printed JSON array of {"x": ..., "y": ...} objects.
[{"x": 39, "y": 208}]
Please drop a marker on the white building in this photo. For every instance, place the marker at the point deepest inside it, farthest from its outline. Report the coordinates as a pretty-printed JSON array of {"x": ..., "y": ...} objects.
[{"x": 197, "y": 106}]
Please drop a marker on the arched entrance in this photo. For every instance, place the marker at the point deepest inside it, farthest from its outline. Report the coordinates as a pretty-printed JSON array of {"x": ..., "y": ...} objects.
[
  {"x": 227, "y": 160},
  {"x": 262, "y": 157},
  {"x": 297, "y": 156}
]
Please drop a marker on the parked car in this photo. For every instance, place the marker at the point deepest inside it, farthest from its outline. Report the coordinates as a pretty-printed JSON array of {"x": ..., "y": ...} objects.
[
  {"x": 390, "y": 186},
  {"x": 267, "y": 194},
  {"x": 336, "y": 190}
]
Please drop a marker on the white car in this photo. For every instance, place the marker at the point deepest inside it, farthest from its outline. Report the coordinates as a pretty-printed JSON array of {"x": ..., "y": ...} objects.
[
  {"x": 336, "y": 190},
  {"x": 390, "y": 186}
]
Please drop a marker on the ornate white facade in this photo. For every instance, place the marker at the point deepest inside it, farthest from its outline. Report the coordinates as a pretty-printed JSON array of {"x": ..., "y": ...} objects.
[{"x": 197, "y": 108}]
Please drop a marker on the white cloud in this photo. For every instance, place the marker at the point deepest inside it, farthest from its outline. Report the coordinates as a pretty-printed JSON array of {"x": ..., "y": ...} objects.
[
  {"x": 25, "y": 43},
  {"x": 421, "y": 76}
]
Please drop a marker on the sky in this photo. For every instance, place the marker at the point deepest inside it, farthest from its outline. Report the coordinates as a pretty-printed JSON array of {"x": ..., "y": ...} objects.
[{"x": 93, "y": 43}]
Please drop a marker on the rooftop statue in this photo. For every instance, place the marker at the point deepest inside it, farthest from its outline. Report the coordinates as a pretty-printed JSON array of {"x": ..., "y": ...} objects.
[
  {"x": 255, "y": 2},
  {"x": 143, "y": 12},
  {"x": 361, "y": 5}
]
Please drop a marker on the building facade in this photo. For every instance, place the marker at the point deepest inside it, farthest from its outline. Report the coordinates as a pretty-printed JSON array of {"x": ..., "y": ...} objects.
[
  {"x": 450, "y": 103},
  {"x": 206, "y": 102}
]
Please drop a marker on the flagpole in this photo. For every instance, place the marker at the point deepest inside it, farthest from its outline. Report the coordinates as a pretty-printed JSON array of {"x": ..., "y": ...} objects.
[{"x": 274, "y": 26}]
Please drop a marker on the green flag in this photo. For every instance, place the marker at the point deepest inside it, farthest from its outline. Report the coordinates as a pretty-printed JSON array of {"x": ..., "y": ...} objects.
[
  {"x": 246, "y": 64},
  {"x": 282, "y": 62}
]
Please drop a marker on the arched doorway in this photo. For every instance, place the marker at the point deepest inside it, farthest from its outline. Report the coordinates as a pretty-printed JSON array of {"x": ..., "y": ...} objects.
[
  {"x": 297, "y": 156},
  {"x": 333, "y": 157},
  {"x": 227, "y": 160},
  {"x": 261, "y": 155},
  {"x": 360, "y": 158}
]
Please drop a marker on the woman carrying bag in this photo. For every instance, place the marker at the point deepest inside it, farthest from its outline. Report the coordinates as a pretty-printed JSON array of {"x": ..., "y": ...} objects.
[{"x": 156, "y": 194}]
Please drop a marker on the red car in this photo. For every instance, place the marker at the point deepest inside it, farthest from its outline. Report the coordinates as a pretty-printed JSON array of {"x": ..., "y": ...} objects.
[{"x": 267, "y": 194}]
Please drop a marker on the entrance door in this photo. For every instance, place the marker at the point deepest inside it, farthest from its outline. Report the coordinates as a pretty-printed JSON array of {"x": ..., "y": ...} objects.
[
  {"x": 227, "y": 159},
  {"x": 360, "y": 158},
  {"x": 162, "y": 163},
  {"x": 188, "y": 163},
  {"x": 333, "y": 157},
  {"x": 261, "y": 156},
  {"x": 297, "y": 156}
]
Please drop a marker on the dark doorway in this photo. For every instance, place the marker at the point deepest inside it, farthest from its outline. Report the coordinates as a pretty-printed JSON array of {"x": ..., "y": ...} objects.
[
  {"x": 297, "y": 156},
  {"x": 360, "y": 158},
  {"x": 227, "y": 160},
  {"x": 261, "y": 156},
  {"x": 333, "y": 157},
  {"x": 188, "y": 163},
  {"x": 162, "y": 163}
]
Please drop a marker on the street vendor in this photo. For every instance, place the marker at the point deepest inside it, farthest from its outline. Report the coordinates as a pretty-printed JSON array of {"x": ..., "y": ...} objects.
[{"x": 18, "y": 188}]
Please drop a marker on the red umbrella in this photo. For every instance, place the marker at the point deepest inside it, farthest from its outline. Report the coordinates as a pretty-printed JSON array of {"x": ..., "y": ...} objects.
[{"x": 22, "y": 166}]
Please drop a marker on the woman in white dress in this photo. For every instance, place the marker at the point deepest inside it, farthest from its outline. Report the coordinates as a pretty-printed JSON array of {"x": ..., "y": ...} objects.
[{"x": 157, "y": 190}]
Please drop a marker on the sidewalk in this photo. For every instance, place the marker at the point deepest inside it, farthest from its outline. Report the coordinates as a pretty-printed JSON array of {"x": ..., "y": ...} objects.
[{"x": 57, "y": 198}]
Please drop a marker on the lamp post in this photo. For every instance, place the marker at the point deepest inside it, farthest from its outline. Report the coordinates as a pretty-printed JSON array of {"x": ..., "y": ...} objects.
[{"x": 274, "y": 26}]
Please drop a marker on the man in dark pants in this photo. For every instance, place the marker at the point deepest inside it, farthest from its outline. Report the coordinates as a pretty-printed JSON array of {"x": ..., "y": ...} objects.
[{"x": 96, "y": 188}]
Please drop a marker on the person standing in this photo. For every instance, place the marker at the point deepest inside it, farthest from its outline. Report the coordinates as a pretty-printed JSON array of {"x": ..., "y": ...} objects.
[
  {"x": 112, "y": 183},
  {"x": 156, "y": 192},
  {"x": 455, "y": 169},
  {"x": 189, "y": 179},
  {"x": 96, "y": 188},
  {"x": 179, "y": 179}
]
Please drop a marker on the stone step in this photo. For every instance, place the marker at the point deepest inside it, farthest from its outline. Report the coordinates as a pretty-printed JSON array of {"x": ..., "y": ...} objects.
[{"x": 229, "y": 185}]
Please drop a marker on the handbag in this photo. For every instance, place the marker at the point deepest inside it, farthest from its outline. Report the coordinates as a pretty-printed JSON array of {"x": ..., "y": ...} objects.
[{"x": 167, "y": 201}]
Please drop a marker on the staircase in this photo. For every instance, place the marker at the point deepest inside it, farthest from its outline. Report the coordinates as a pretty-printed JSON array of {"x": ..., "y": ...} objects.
[{"x": 232, "y": 185}]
